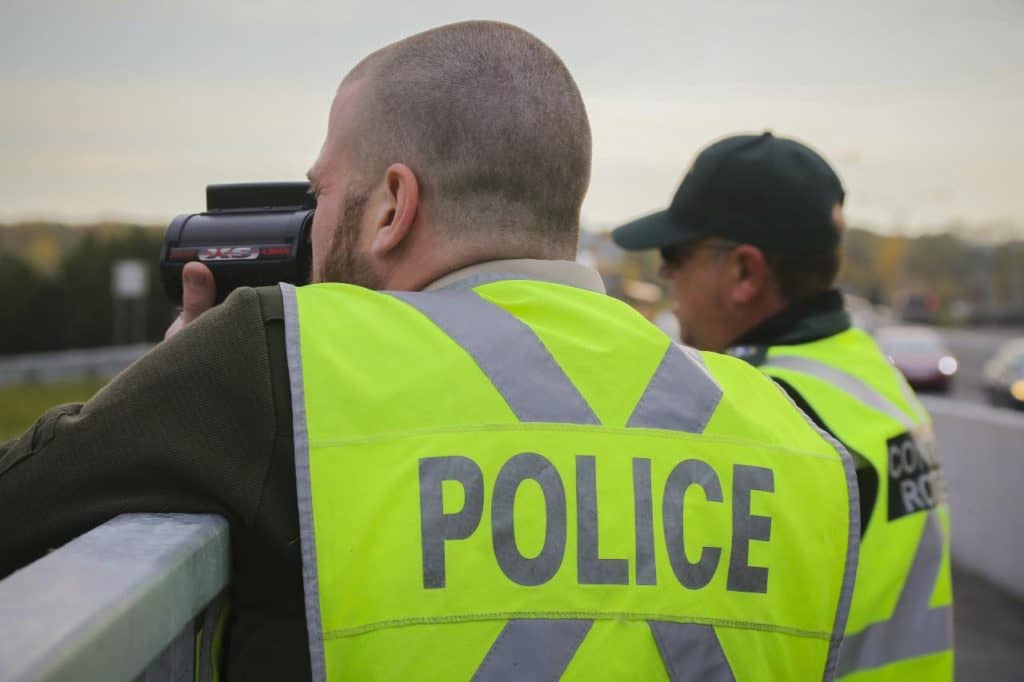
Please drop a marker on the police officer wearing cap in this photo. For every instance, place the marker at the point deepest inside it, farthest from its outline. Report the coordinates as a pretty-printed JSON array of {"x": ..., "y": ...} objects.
[{"x": 751, "y": 245}]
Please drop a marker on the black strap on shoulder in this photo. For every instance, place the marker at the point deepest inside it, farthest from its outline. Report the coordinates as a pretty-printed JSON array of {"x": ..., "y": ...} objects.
[
  {"x": 867, "y": 477},
  {"x": 272, "y": 311}
]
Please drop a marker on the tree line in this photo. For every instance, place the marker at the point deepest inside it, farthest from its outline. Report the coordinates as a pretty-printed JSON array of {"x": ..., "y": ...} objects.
[
  {"x": 56, "y": 280},
  {"x": 56, "y": 284},
  {"x": 943, "y": 278}
]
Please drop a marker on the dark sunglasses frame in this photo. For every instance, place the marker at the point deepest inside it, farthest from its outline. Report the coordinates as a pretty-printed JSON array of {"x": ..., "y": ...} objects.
[{"x": 675, "y": 256}]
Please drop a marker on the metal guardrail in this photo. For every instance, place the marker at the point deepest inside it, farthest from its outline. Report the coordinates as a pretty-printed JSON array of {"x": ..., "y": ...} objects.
[
  {"x": 117, "y": 603},
  {"x": 68, "y": 365},
  {"x": 982, "y": 452}
]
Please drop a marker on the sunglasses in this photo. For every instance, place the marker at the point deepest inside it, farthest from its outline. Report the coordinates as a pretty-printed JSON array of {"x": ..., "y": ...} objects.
[{"x": 675, "y": 256}]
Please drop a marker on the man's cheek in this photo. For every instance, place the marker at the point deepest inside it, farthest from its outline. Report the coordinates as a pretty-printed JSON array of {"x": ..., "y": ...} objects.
[
  {"x": 683, "y": 301},
  {"x": 320, "y": 238}
]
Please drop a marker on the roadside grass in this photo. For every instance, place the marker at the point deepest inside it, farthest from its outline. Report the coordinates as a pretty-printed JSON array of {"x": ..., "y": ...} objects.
[{"x": 22, "y": 404}]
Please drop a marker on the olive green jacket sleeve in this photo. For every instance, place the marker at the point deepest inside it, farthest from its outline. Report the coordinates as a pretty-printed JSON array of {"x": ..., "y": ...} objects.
[{"x": 202, "y": 423}]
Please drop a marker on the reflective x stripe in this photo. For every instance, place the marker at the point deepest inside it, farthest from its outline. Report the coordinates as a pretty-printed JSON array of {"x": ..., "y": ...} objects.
[
  {"x": 692, "y": 653},
  {"x": 543, "y": 649},
  {"x": 681, "y": 396},
  {"x": 846, "y": 382},
  {"x": 532, "y": 650},
  {"x": 914, "y": 629},
  {"x": 508, "y": 352}
]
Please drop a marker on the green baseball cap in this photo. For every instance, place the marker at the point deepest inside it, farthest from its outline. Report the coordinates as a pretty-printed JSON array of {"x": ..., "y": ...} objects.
[{"x": 771, "y": 192}]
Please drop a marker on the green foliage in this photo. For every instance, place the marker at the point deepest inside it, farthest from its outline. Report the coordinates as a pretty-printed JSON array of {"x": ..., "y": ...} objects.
[
  {"x": 26, "y": 296},
  {"x": 55, "y": 279},
  {"x": 20, "y": 406},
  {"x": 72, "y": 306},
  {"x": 987, "y": 280},
  {"x": 965, "y": 281}
]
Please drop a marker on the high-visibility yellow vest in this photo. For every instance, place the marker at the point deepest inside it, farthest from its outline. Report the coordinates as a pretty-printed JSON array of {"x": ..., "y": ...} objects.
[
  {"x": 901, "y": 621},
  {"x": 525, "y": 480}
]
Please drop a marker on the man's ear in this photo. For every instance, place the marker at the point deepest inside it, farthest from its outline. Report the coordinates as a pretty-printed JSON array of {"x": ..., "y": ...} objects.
[
  {"x": 395, "y": 214},
  {"x": 751, "y": 275}
]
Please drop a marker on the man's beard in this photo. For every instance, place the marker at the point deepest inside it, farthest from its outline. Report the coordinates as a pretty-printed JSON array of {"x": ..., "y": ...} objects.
[{"x": 343, "y": 261}]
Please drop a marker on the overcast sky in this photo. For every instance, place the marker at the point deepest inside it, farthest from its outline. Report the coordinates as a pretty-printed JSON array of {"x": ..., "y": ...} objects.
[{"x": 127, "y": 109}]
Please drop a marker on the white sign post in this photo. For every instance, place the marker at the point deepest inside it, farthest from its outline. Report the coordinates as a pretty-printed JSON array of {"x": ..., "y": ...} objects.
[
  {"x": 129, "y": 284},
  {"x": 131, "y": 279}
]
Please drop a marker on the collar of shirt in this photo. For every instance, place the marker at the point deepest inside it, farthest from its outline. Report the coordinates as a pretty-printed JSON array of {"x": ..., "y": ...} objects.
[
  {"x": 567, "y": 272},
  {"x": 809, "y": 319}
]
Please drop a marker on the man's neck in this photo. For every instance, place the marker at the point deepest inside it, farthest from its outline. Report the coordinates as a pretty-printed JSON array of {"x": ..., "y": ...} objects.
[{"x": 808, "y": 319}]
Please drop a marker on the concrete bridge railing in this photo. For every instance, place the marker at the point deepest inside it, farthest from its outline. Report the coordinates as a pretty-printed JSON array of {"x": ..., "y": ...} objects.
[{"x": 982, "y": 453}]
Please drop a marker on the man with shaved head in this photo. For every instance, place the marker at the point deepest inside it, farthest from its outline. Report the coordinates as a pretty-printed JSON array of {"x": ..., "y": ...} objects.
[
  {"x": 495, "y": 149},
  {"x": 452, "y": 456}
]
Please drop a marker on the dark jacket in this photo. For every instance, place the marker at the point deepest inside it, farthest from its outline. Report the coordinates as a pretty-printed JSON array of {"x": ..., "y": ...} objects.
[{"x": 143, "y": 443}]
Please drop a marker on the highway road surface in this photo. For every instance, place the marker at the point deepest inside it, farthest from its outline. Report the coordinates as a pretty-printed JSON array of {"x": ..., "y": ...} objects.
[
  {"x": 973, "y": 348},
  {"x": 988, "y": 622},
  {"x": 989, "y": 629}
]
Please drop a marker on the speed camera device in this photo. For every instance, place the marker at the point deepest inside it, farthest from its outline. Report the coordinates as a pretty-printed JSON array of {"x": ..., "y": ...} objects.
[{"x": 252, "y": 234}]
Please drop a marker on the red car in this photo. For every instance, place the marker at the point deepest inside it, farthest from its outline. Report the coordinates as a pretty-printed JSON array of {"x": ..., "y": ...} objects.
[{"x": 921, "y": 355}]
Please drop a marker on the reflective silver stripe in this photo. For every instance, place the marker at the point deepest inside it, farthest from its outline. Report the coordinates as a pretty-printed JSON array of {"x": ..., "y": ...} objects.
[
  {"x": 681, "y": 395},
  {"x": 532, "y": 650},
  {"x": 207, "y": 664},
  {"x": 852, "y": 550},
  {"x": 508, "y": 352},
  {"x": 310, "y": 585},
  {"x": 888, "y": 642},
  {"x": 913, "y": 629},
  {"x": 840, "y": 379},
  {"x": 924, "y": 569},
  {"x": 691, "y": 653},
  {"x": 852, "y": 544}
]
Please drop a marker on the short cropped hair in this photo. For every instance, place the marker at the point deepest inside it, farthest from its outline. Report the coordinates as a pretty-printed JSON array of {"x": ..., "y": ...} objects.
[
  {"x": 800, "y": 275},
  {"x": 492, "y": 123}
]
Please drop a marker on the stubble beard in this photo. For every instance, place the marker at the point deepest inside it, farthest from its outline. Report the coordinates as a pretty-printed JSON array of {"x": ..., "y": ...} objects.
[{"x": 344, "y": 262}]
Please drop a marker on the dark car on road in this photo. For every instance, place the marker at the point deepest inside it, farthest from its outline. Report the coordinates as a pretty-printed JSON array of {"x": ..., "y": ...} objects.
[
  {"x": 1003, "y": 377},
  {"x": 920, "y": 354}
]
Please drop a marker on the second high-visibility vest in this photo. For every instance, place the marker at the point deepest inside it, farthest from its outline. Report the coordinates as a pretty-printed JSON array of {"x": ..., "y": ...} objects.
[
  {"x": 524, "y": 480},
  {"x": 901, "y": 624}
]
